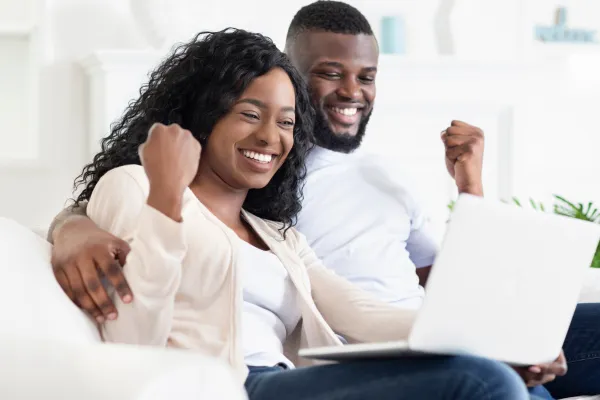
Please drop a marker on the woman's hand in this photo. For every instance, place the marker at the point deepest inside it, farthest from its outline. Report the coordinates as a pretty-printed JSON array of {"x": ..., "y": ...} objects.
[{"x": 170, "y": 157}]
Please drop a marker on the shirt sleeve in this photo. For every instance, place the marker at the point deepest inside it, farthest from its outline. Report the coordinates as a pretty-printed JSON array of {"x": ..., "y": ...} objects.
[
  {"x": 422, "y": 245},
  {"x": 153, "y": 267},
  {"x": 350, "y": 311},
  {"x": 64, "y": 216}
]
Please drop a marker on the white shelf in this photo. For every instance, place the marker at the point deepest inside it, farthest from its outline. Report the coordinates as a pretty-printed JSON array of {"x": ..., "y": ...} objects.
[
  {"x": 18, "y": 100},
  {"x": 114, "y": 79},
  {"x": 450, "y": 61}
]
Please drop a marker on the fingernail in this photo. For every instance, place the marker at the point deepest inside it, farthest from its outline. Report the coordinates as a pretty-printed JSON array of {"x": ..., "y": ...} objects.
[
  {"x": 100, "y": 319},
  {"x": 535, "y": 370},
  {"x": 112, "y": 316},
  {"x": 127, "y": 298}
]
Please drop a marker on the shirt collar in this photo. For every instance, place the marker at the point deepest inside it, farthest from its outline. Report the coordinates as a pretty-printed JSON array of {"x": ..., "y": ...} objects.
[{"x": 320, "y": 157}]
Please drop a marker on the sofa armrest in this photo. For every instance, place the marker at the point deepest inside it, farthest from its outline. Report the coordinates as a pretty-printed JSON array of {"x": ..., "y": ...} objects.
[{"x": 36, "y": 369}]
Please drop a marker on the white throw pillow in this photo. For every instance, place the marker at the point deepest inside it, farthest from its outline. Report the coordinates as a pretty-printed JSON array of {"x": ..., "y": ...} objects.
[{"x": 33, "y": 304}]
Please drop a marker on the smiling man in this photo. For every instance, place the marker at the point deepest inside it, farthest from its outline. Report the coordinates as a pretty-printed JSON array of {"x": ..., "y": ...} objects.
[
  {"x": 366, "y": 224},
  {"x": 344, "y": 101}
]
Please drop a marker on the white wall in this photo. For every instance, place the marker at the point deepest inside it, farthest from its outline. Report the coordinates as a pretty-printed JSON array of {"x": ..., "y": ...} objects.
[{"x": 474, "y": 60}]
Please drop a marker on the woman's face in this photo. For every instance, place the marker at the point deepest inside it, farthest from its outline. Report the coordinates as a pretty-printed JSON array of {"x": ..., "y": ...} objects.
[{"x": 251, "y": 142}]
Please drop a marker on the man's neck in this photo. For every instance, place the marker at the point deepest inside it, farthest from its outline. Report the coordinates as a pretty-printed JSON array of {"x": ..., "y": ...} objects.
[{"x": 320, "y": 156}]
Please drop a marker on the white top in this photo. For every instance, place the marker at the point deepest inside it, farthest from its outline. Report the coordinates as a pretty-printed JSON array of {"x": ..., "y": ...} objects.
[
  {"x": 187, "y": 290},
  {"x": 366, "y": 225},
  {"x": 270, "y": 311}
]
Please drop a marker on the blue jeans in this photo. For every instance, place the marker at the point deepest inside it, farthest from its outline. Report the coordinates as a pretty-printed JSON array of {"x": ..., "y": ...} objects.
[
  {"x": 582, "y": 350},
  {"x": 461, "y": 377}
]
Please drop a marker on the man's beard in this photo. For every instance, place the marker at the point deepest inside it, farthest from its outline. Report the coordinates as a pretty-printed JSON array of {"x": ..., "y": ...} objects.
[{"x": 340, "y": 142}]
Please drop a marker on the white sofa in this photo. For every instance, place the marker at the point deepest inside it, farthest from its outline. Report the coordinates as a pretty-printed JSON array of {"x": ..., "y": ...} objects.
[{"x": 49, "y": 349}]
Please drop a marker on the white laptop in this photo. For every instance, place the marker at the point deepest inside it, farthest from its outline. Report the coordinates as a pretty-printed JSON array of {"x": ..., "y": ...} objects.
[{"x": 504, "y": 286}]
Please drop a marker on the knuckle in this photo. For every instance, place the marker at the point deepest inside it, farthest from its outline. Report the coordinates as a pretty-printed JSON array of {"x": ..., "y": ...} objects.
[
  {"x": 155, "y": 127},
  {"x": 114, "y": 269},
  {"x": 122, "y": 287},
  {"x": 106, "y": 307},
  {"x": 93, "y": 249},
  {"x": 85, "y": 301},
  {"x": 57, "y": 270},
  {"x": 92, "y": 284},
  {"x": 175, "y": 129},
  {"x": 124, "y": 246},
  {"x": 112, "y": 247},
  {"x": 77, "y": 291},
  {"x": 82, "y": 265}
]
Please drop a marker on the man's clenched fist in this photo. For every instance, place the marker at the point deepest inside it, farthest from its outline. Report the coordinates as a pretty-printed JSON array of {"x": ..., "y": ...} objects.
[{"x": 464, "y": 156}]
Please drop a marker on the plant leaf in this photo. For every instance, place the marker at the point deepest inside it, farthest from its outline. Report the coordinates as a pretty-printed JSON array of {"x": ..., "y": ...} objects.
[
  {"x": 589, "y": 208},
  {"x": 532, "y": 202},
  {"x": 562, "y": 210},
  {"x": 596, "y": 260},
  {"x": 563, "y": 200}
]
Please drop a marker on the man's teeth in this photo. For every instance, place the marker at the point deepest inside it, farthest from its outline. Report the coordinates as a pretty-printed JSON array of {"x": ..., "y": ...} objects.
[
  {"x": 345, "y": 111},
  {"x": 261, "y": 158}
]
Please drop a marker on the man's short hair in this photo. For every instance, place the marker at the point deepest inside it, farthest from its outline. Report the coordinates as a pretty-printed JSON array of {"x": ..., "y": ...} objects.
[{"x": 328, "y": 16}]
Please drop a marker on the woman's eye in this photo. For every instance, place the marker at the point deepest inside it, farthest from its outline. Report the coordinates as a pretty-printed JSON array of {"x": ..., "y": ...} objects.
[{"x": 250, "y": 115}]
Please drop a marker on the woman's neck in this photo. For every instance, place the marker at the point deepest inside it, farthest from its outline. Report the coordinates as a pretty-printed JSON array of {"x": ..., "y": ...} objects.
[{"x": 224, "y": 201}]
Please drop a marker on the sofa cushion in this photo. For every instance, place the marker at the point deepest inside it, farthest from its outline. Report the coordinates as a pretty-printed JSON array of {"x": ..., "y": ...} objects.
[
  {"x": 32, "y": 301},
  {"x": 54, "y": 369}
]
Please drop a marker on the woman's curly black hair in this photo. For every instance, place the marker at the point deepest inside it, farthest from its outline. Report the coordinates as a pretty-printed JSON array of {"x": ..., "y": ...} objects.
[{"x": 195, "y": 87}]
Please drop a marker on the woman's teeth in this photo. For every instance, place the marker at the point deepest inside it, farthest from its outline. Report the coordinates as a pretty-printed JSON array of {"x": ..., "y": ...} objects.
[
  {"x": 345, "y": 111},
  {"x": 261, "y": 158}
]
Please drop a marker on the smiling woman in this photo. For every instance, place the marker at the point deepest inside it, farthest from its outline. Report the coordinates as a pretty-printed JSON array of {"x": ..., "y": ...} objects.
[{"x": 223, "y": 87}]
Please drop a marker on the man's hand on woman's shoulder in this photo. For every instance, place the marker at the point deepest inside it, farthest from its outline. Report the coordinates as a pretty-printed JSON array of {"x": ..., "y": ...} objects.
[{"x": 82, "y": 255}]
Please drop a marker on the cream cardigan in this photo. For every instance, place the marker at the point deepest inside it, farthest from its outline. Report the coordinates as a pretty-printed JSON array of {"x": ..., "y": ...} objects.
[{"x": 187, "y": 292}]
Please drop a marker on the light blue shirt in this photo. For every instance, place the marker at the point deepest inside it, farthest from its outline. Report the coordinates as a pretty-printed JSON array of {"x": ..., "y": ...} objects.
[{"x": 366, "y": 226}]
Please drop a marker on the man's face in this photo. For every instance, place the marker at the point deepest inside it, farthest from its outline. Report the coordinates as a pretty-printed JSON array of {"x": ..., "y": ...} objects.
[{"x": 340, "y": 70}]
